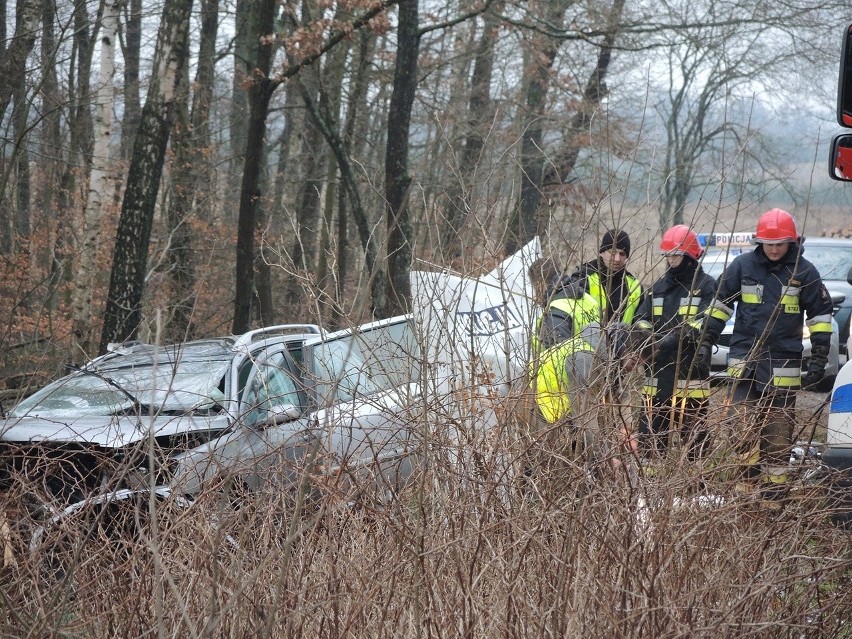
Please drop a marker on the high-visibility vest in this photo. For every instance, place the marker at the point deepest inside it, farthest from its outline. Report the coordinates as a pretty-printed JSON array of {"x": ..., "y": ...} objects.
[
  {"x": 549, "y": 378},
  {"x": 596, "y": 283},
  {"x": 583, "y": 311}
]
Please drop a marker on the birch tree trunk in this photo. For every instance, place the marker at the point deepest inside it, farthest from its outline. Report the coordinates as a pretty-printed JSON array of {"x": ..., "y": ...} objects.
[
  {"x": 130, "y": 258},
  {"x": 81, "y": 305}
]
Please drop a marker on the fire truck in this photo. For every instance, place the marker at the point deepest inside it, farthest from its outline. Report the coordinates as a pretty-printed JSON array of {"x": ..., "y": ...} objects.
[{"x": 838, "y": 450}]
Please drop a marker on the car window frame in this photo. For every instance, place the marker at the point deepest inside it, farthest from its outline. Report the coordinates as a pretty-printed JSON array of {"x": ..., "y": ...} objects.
[
  {"x": 255, "y": 362},
  {"x": 369, "y": 333}
]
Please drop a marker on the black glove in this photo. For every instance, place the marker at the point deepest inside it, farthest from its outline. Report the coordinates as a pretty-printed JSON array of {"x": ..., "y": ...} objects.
[
  {"x": 812, "y": 378},
  {"x": 705, "y": 354},
  {"x": 668, "y": 345},
  {"x": 816, "y": 366}
]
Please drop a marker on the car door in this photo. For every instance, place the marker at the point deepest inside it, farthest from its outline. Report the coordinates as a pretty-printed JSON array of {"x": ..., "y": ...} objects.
[
  {"x": 365, "y": 381},
  {"x": 269, "y": 433},
  {"x": 276, "y": 421}
]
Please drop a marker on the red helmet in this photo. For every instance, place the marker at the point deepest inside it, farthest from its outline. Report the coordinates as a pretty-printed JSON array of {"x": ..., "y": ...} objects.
[
  {"x": 681, "y": 240},
  {"x": 775, "y": 227}
]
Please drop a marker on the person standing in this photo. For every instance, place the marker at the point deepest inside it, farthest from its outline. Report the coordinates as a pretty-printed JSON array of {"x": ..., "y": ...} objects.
[
  {"x": 677, "y": 380},
  {"x": 607, "y": 279},
  {"x": 567, "y": 373},
  {"x": 774, "y": 287}
]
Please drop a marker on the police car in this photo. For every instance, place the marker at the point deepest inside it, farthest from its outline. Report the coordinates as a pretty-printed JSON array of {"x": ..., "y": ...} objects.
[
  {"x": 837, "y": 454},
  {"x": 720, "y": 249}
]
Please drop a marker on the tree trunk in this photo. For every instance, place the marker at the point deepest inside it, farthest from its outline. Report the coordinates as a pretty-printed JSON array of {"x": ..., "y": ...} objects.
[
  {"x": 397, "y": 176},
  {"x": 79, "y": 129},
  {"x": 190, "y": 177},
  {"x": 308, "y": 222},
  {"x": 563, "y": 163},
  {"x": 331, "y": 92},
  {"x": 245, "y": 39},
  {"x": 15, "y": 218},
  {"x": 98, "y": 180},
  {"x": 131, "y": 53},
  {"x": 51, "y": 149},
  {"x": 538, "y": 61},
  {"x": 260, "y": 92},
  {"x": 352, "y": 146},
  {"x": 324, "y": 123},
  {"x": 13, "y": 63},
  {"x": 479, "y": 117},
  {"x": 21, "y": 160},
  {"x": 130, "y": 258},
  {"x": 202, "y": 98}
]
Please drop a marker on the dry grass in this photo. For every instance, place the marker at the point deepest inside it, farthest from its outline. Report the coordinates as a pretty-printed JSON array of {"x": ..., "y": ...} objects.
[{"x": 474, "y": 547}]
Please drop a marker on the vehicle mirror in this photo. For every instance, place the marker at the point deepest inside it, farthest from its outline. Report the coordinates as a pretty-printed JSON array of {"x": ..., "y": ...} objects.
[
  {"x": 844, "y": 82},
  {"x": 282, "y": 413},
  {"x": 840, "y": 158}
]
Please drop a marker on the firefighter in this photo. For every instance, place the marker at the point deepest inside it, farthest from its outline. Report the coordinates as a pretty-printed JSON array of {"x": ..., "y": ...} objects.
[
  {"x": 774, "y": 287},
  {"x": 677, "y": 381},
  {"x": 607, "y": 280}
]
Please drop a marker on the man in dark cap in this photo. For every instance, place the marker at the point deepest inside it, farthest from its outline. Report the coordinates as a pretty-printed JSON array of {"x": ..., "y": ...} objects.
[{"x": 607, "y": 280}]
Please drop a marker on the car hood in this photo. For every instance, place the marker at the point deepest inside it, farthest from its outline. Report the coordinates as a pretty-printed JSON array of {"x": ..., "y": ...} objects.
[{"x": 104, "y": 431}]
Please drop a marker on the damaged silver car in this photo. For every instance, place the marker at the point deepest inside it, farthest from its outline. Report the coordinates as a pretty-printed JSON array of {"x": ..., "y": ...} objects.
[{"x": 239, "y": 412}]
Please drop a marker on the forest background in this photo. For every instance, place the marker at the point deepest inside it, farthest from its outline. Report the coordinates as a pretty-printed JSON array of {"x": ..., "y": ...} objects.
[{"x": 183, "y": 169}]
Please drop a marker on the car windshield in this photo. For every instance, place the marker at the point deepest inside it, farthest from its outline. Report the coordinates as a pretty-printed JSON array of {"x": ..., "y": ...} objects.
[
  {"x": 832, "y": 262},
  {"x": 714, "y": 262},
  {"x": 169, "y": 383}
]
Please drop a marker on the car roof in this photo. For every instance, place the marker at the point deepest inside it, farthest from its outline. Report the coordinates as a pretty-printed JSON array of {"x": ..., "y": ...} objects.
[
  {"x": 826, "y": 241},
  {"x": 716, "y": 258},
  {"x": 137, "y": 353}
]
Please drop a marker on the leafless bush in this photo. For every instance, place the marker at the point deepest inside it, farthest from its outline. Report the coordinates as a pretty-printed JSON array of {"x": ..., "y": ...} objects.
[{"x": 477, "y": 545}]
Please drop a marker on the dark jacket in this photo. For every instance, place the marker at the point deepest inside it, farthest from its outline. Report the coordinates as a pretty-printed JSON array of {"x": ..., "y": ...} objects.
[
  {"x": 619, "y": 294},
  {"x": 772, "y": 299},
  {"x": 673, "y": 311}
]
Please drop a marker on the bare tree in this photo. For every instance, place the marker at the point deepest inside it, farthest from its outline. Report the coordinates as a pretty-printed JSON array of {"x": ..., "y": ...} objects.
[
  {"x": 127, "y": 277},
  {"x": 190, "y": 177},
  {"x": 98, "y": 179},
  {"x": 705, "y": 81},
  {"x": 264, "y": 86},
  {"x": 397, "y": 175},
  {"x": 78, "y": 149},
  {"x": 131, "y": 47},
  {"x": 479, "y": 116}
]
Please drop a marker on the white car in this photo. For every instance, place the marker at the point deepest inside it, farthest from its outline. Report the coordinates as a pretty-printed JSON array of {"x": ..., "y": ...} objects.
[{"x": 714, "y": 263}]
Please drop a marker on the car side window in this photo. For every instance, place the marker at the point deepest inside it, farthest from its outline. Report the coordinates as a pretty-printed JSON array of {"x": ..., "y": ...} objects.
[
  {"x": 272, "y": 385},
  {"x": 341, "y": 375}
]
